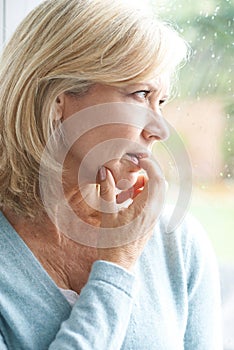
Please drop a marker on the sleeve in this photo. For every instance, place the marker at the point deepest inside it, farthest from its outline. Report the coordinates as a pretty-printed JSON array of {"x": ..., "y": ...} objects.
[
  {"x": 100, "y": 317},
  {"x": 204, "y": 325},
  {"x": 2, "y": 343}
]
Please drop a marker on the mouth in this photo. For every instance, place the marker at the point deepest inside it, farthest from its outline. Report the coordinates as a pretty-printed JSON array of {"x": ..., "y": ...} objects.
[{"x": 134, "y": 158}]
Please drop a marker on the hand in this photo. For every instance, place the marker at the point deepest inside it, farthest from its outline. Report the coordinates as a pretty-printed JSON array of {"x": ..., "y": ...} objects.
[{"x": 142, "y": 213}]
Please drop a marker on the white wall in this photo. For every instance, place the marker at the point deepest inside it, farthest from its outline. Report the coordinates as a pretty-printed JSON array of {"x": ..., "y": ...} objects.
[
  {"x": 2, "y": 20},
  {"x": 16, "y": 10},
  {"x": 11, "y": 14}
]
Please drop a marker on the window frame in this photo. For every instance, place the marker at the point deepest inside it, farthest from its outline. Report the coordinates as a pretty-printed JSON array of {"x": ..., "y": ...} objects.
[{"x": 3, "y": 23}]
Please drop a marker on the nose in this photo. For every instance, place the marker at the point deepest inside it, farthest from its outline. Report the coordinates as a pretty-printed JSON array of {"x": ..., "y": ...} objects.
[{"x": 156, "y": 129}]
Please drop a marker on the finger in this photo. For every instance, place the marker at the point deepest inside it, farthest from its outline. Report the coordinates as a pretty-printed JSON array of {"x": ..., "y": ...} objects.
[
  {"x": 131, "y": 192},
  {"x": 152, "y": 168},
  {"x": 137, "y": 192},
  {"x": 155, "y": 175},
  {"x": 140, "y": 182},
  {"x": 124, "y": 196},
  {"x": 107, "y": 185},
  {"x": 139, "y": 185},
  {"x": 107, "y": 203},
  {"x": 154, "y": 189}
]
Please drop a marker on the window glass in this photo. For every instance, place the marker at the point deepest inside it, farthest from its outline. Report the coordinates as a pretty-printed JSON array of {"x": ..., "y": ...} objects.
[{"x": 203, "y": 112}]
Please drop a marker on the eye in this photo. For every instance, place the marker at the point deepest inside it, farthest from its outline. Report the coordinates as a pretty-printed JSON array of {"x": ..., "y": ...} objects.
[
  {"x": 162, "y": 102},
  {"x": 142, "y": 94}
]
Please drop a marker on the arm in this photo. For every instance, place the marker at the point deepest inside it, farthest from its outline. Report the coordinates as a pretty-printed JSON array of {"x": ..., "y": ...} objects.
[
  {"x": 2, "y": 343},
  {"x": 204, "y": 327},
  {"x": 100, "y": 317}
]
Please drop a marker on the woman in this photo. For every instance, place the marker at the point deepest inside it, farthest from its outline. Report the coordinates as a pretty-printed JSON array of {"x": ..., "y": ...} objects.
[{"x": 62, "y": 285}]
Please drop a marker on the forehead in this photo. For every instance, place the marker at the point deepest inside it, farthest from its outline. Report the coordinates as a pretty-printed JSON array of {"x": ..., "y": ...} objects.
[{"x": 159, "y": 84}]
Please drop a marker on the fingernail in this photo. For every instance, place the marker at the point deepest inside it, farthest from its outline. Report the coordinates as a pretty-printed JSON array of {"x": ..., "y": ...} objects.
[{"x": 102, "y": 173}]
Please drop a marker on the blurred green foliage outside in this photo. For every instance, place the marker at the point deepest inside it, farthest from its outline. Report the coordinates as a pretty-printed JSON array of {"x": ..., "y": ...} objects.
[{"x": 208, "y": 28}]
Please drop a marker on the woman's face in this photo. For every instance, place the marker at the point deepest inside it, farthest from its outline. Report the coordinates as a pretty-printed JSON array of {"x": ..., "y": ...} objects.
[{"x": 121, "y": 156}]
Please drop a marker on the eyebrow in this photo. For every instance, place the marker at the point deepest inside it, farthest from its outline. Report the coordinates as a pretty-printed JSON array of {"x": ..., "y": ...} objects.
[{"x": 148, "y": 85}]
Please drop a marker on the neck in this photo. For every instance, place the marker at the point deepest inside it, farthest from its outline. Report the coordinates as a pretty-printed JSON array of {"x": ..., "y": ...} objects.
[
  {"x": 66, "y": 261},
  {"x": 82, "y": 201}
]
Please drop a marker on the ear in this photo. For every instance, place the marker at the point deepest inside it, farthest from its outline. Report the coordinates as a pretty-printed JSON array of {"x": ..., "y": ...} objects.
[{"x": 59, "y": 106}]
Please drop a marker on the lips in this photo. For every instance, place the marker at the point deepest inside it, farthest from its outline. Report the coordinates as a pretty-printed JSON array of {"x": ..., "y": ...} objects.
[{"x": 134, "y": 158}]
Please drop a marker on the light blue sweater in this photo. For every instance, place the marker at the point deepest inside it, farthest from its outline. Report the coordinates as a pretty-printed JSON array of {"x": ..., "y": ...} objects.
[{"x": 171, "y": 302}]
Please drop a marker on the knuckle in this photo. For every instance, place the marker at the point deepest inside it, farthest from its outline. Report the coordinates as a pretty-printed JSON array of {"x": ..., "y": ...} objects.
[{"x": 104, "y": 190}]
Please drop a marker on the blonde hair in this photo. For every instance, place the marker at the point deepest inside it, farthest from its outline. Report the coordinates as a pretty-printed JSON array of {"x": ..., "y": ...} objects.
[{"x": 67, "y": 46}]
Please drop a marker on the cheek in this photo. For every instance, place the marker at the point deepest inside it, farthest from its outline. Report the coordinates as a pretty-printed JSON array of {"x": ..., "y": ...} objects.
[
  {"x": 107, "y": 142},
  {"x": 105, "y": 145},
  {"x": 117, "y": 131}
]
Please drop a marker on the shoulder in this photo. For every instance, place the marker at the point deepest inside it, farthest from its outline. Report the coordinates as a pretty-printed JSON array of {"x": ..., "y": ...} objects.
[
  {"x": 188, "y": 237},
  {"x": 187, "y": 248}
]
